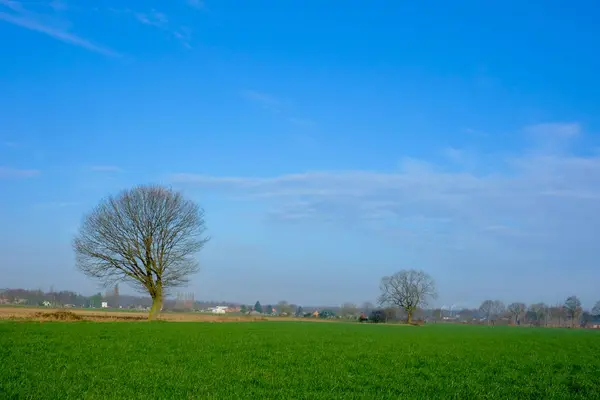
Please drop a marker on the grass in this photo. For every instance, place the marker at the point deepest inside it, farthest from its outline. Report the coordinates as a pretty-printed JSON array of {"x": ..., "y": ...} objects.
[{"x": 294, "y": 360}]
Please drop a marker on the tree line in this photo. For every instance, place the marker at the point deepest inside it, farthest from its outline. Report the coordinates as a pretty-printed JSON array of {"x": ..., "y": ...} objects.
[{"x": 148, "y": 236}]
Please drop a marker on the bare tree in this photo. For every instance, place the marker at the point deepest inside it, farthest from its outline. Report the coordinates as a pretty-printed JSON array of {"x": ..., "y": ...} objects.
[
  {"x": 283, "y": 307},
  {"x": 407, "y": 289},
  {"x": 557, "y": 312},
  {"x": 538, "y": 313},
  {"x": 516, "y": 310},
  {"x": 573, "y": 308},
  {"x": 145, "y": 236},
  {"x": 367, "y": 307},
  {"x": 492, "y": 309},
  {"x": 596, "y": 309},
  {"x": 348, "y": 310}
]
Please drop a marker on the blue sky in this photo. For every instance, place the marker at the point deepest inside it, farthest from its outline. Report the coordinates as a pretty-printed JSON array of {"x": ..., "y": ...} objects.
[{"x": 331, "y": 143}]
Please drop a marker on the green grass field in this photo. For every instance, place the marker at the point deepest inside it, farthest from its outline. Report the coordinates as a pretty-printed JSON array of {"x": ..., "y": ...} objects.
[{"x": 291, "y": 360}]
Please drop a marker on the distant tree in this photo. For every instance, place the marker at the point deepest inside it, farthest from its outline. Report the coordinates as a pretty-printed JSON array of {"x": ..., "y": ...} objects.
[
  {"x": 391, "y": 313},
  {"x": 573, "y": 308},
  {"x": 586, "y": 318},
  {"x": 258, "y": 307},
  {"x": 596, "y": 309},
  {"x": 299, "y": 311},
  {"x": 325, "y": 314},
  {"x": 491, "y": 310},
  {"x": 348, "y": 310},
  {"x": 243, "y": 309},
  {"x": 283, "y": 307},
  {"x": 437, "y": 314},
  {"x": 516, "y": 310},
  {"x": 146, "y": 236},
  {"x": 377, "y": 316},
  {"x": 407, "y": 289},
  {"x": 367, "y": 307},
  {"x": 96, "y": 300},
  {"x": 557, "y": 312},
  {"x": 538, "y": 313}
]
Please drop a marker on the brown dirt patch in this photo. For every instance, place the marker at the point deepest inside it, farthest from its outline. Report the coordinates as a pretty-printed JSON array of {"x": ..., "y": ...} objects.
[
  {"x": 44, "y": 314},
  {"x": 57, "y": 316}
]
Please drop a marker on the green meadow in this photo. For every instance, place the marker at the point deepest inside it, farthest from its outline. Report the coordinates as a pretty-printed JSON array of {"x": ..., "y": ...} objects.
[{"x": 294, "y": 360}]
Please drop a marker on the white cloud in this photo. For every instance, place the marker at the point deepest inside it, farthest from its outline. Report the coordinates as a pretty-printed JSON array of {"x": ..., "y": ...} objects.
[
  {"x": 7, "y": 172},
  {"x": 198, "y": 4},
  {"x": 57, "y": 204},
  {"x": 266, "y": 100},
  {"x": 49, "y": 24},
  {"x": 549, "y": 130},
  {"x": 153, "y": 18},
  {"x": 105, "y": 168},
  {"x": 545, "y": 201},
  {"x": 11, "y": 144},
  {"x": 159, "y": 20}
]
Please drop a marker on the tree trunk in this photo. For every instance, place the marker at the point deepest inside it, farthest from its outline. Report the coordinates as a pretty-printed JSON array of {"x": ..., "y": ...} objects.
[
  {"x": 409, "y": 317},
  {"x": 157, "y": 302}
]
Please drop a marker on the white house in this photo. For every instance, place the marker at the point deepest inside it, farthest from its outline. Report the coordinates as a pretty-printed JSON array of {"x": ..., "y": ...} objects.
[
  {"x": 104, "y": 304},
  {"x": 219, "y": 309}
]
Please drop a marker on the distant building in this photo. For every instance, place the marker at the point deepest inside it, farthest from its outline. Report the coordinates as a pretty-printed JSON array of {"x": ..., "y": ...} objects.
[
  {"x": 104, "y": 304},
  {"x": 219, "y": 310}
]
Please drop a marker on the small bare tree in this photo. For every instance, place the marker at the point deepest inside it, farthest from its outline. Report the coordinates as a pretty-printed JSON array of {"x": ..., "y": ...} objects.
[
  {"x": 146, "y": 236},
  {"x": 491, "y": 309},
  {"x": 573, "y": 308},
  {"x": 596, "y": 309},
  {"x": 538, "y": 313},
  {"x": 516, "y": 310},
  {"x": 348, "y": 310},
  {"x": 407, "y": 289}
]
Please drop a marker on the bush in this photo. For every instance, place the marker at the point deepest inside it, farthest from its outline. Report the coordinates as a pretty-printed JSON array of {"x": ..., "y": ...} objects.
[{"x": 377, "y": 316}]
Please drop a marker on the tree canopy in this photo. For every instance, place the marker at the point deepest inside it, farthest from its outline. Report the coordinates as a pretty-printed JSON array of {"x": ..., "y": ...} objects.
[
  {"x": 407, "y": 289},
  {"x": 146, "y": 236}
]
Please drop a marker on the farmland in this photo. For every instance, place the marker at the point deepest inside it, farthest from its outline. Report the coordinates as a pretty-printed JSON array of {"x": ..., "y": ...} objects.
[{"x": 141, "y": 360}]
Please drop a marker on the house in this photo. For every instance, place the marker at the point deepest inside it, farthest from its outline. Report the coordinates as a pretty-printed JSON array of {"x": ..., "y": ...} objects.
[
  {"x": 104, "y": 304},
  {"x": 219, "y": 309},
  {"x": 315, "y": 314},
  {"x": 46, "y": 303}
]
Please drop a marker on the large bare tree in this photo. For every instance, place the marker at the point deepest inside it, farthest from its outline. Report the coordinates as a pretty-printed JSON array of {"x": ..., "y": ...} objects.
[
  {"x": 146, "y": 236},
  {"x": 407, "y": 289}
]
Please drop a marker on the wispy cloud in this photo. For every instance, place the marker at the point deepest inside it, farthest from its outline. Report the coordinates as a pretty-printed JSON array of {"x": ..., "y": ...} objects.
[
  {"x": 552, "y": 130},
  {"x": 153, "y": 18},
  {"x": 159, "y": 20},
  {"x": 105, "y": 168},
  {"x": 11, "y": 144},
  {"x": 302, "y": 121},
  {"x": 57, "y": 204},
  {"x": 553, "y": 137},
  {"x": 8, "y": 172},
  {"x": 47, "y": 24},
  {"x": 276, "y": 105},
  {"x": 549, "y": 199},
  {"x": 198, "y": 4},
  {"x": 263, "y": 99}
]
